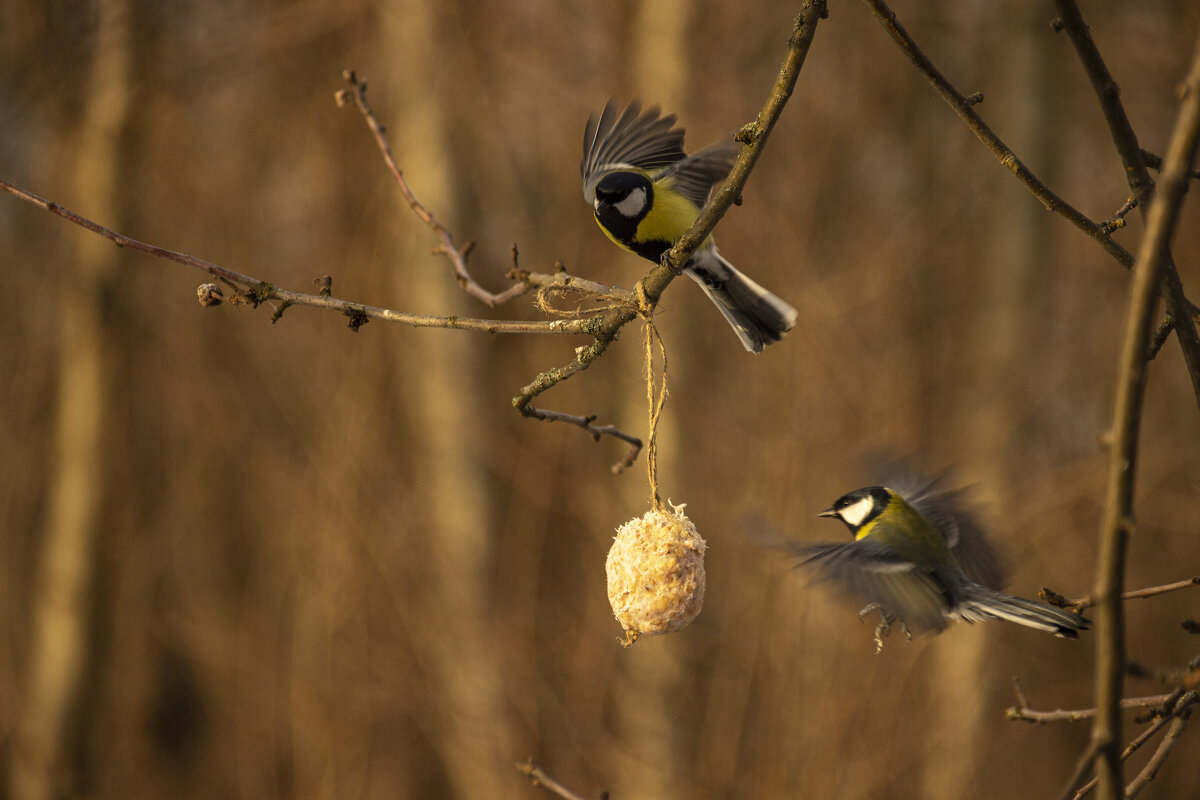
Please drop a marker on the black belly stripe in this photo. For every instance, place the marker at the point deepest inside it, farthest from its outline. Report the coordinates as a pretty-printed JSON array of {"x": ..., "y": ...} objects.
[{"x": 652, "y": 250}]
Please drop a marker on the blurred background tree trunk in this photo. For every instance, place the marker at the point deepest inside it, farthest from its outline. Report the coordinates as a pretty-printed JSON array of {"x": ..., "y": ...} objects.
[
  {"x": 1002, "y": 328},
  {"x": 59, "y": 666},
  {"x": 437, "y": 388}
]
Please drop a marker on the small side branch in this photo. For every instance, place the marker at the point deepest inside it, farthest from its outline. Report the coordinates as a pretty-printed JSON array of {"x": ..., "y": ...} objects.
[
  {"x": 539, "y": 778},
  {"x": 1175, "y": 721},
  {"x": 588, "y": 424},
  {"x": 1082, "y": 603},
  {"x": 1150, "y": 771},
  {"x": 1098, "y": 231},
  {"x": 1133, "y": 159},
  {"x": 1023, "y": 713},
  {"x": 357, "y": 94},
  {"x": 964, "y": 108}
]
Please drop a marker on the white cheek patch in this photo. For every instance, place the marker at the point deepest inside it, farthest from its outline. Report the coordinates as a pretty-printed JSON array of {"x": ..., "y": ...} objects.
[
  {"x": 632, "y": 205},
  {"x": 855, "y": 514}
]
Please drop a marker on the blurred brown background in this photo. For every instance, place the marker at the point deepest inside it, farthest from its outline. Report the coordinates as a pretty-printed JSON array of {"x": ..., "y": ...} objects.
[{"x": 290, "y": 561}]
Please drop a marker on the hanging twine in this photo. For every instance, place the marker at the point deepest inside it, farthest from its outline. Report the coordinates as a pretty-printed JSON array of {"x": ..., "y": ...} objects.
[
  {"x": 655, "y": 404},
  {"x": 544, "y": 300}
]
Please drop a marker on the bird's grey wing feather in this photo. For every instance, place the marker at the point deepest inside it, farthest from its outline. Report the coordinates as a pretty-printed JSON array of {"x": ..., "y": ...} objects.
[
  {"x": 633, "y": 138},
  {"x": 947, "y": 510},
  {"x": 695, "y": 176},
  {"x": 870, "y": 572}
]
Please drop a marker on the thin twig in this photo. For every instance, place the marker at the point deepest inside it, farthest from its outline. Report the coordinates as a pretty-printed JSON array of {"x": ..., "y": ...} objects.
[
  {"x": 1081, "y": 768},
  {"x": 1177, "y": 718},
  {"x": 1117, "y": 220},
  {"x": 539, "y": 778},
  {"x": 1137, "y": 594},
  {"x": 1138, "y": 176},
  {"x": 1150, "y": 771},
  {"x": 357, "y": 93},
  {"x": 1118, "y": 514},
  {"x": 1155, "y": 162},
  {"x": 1022, "y": 712},
  {"x": 587, "y": 423},
  {"x": 963, "y": 107}
]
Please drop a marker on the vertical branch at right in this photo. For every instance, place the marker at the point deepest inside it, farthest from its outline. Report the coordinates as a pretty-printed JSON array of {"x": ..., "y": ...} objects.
[{"x": 1118, "y": 514}]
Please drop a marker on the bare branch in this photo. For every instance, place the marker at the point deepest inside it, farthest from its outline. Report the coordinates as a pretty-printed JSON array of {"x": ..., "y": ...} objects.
[
  {"x": 1118, "y": 514},
  {"x": 1150, "y": 771},
  {"x": 1155, "y": 162},
  {"x": 1023, "y": 713},
  {"x": 254, "y": 291},
  {"x": 1177, "y": 719},
  {"x": 1138, "y": 176},
  {"x": 1117, "y": 220},
  {"x": 962, "y": 106},
  {"x": 357, "y": 93},
  {"x": 539, "y": 778},
  {"x": 1081, "y": 768},
  {"x": 1137, "y": 594},
  {"x": 1181, "y": 308},
  {"x": 596, "y": 431}
]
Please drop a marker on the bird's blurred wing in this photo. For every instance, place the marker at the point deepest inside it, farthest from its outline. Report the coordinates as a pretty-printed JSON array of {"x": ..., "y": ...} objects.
[
  {"x": 630, "y": 139},
  {"x": 870, "y": 572},
  {"x": 695, "y": 176},
  {"x": 947, "y": 510}
]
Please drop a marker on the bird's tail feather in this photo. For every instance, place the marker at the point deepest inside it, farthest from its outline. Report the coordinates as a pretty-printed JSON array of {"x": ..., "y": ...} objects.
[
  {"x": 758, "y": 317},
  {"x": 981, "y": 603}
]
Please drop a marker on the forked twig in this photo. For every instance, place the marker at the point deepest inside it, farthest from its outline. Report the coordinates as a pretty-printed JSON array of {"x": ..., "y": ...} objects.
[
  {"x": 1178, "y": 304},
  {"x": 357, "y": 94},
  {"x": 1133, "y": 158}
]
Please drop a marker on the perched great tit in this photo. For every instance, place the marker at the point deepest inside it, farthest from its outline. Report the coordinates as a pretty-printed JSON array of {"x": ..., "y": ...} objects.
[
  {"x": 923, "y": 562},
  {"x": 646, "y": 192}
]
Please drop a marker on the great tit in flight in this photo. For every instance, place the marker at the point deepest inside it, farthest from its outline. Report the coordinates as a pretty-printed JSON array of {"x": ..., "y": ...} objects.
[
  {"x": 924, "y": 562},
  {"x": 646, "y": 192}
]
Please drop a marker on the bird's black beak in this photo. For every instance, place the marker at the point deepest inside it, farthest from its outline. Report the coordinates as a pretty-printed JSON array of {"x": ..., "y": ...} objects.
[{"x": 829, "y": 512}]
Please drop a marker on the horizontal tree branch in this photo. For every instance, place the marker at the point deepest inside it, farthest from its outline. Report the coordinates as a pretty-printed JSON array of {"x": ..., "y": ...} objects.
[
  {"x": 254, "y": 291},
  {"x": 1082, "y": 603},
  {"x": 1022, "y": 712}
]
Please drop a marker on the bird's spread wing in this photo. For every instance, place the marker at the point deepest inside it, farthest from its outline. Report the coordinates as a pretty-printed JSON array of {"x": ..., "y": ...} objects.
[
  {"x": 631, "y": 139},
  {"x": 695, "y": 176},
  {"x": 946, "y": 510},
  {"x": 870, "y": 572}
]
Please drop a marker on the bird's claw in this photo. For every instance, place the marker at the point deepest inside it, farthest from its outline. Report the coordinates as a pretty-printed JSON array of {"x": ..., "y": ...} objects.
[{"x": 884, "y": 628}]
